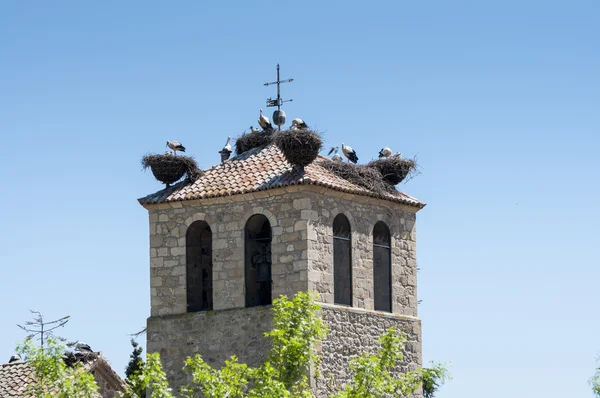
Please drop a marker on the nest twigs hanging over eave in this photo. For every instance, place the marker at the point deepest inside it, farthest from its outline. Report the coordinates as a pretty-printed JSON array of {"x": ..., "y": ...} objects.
[{"x": 168, "y": 168}]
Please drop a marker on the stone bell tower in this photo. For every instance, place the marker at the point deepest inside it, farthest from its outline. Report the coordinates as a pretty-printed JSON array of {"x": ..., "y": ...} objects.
[{"x": 253, "y": 228}]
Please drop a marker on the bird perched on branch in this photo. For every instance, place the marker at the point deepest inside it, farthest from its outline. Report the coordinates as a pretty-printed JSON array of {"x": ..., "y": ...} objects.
[
  {"x": 264, "y": 122},
  {"x": 335, "y": 157},
  {"x": 349, "y": 153},
  {"x": 299, "y": 123},
  {"x": 82, "y": 347},
  {"x": 175, "y": 146},
  {"x": 385, "y": 153}
]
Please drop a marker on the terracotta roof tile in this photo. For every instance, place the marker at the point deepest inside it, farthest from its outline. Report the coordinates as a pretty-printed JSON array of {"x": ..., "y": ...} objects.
[
  {"x": 260, "y": 169},
  {"x": 15, "y": 379}
]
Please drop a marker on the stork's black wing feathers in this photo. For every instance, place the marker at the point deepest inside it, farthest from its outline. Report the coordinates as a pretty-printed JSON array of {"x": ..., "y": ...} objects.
[
  {"x": 180, "y": 148},
  {"x": 353, "y": 158}
]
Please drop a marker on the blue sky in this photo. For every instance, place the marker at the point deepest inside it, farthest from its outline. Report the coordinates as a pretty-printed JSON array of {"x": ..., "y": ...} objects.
[{"x": 499, "y": 100}]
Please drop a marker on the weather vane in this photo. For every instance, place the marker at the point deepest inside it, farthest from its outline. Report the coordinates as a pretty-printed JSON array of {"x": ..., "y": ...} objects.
[{"x": 278, "y": 115}]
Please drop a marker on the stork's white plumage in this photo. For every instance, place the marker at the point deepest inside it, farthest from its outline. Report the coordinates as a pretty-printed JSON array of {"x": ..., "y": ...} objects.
[
  {"x": 253, "y": 129},
  {"x": 227, "y": 147},
  {"x": 299, "y": 123},
  {"x": 397, "y": 155},
  {"x": 337, "y": 158},
  {"x": 82, "y": 347},
  {"x": 385, "y": 153},
  {"x": 264, "y": 122},
  {"x": 349, "y": 153},
  {"x": 175, "y": 146}
]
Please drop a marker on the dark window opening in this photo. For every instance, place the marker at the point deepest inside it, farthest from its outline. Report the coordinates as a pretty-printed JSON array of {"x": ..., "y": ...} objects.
[
  {"x": 382, "y": 267},
  {"x": 258, "y": 261},
  {"x": 199, "y": 267},
  {"x": 342, "y": 261}
]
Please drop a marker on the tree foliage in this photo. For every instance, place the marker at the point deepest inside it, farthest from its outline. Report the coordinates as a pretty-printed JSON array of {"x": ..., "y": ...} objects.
[
  {"x": 134, "y": 373},
  {"x": 52, "y": 377},
  {"x": 595, "y": 383}
]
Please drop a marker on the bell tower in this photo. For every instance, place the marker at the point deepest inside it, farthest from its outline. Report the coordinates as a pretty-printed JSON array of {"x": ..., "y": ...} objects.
[{"x": 254, "y": 227}]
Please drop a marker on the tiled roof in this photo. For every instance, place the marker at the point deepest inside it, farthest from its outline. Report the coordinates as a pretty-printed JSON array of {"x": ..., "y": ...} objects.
[
  {"x": 14, "y": 379},
  {"x": 260, "y": 169}
]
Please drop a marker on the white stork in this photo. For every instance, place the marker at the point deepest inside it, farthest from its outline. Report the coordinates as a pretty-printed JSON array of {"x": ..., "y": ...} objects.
[
  {"x": 397, "y": 155},
  {"x": 82, "y": 347},
  {"x": 349, "y": 153},
  {"x": 175, "y": 146},
  {"x": 264, "y": 122},
  {"x": 253, "y": 129},
  {"x": 227, "y": 147},
  {"x": 335, "y": 157},
  {"x": 385, "y": 153},
  {"x": 299, "y": 123}
]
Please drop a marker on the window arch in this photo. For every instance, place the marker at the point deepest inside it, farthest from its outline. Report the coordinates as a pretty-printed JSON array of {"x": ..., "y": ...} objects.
[
  {"x": 342, "y": 261},
  {"x": 198, "y": 254},
  {"x": 258, "y": 261},
  {"x": 382, "y": 267}
]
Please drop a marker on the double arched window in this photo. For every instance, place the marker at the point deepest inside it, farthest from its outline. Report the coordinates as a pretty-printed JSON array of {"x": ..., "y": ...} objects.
[
  {"x": 199, "y": 267},
  {"x": 342, "y": 261},
  {"x": 382, "y": 267},
  {"x": 258, "y": 261}
]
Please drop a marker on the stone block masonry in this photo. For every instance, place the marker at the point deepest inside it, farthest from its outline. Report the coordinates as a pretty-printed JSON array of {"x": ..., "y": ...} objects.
[{"x": 301, "y": 219}]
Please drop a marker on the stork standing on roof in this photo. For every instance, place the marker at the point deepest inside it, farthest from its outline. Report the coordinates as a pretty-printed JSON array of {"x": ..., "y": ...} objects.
[
  {"x": 227, "y": 147},
  {"x": 175, "y": 146},
  {"x": 264, "y": 122},
  {"x": 385, "y": 153},
  {"x": 349, "y": 153},
  {"x": 299, "y": 123}
]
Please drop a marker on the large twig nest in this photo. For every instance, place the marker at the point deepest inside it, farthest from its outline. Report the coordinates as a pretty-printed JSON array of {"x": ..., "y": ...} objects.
[
  {"x": 248, "y": 141},
  {"x": 300, "y": 146},
  {"x": 168, "y": 168},
  {"x": 394, "y": 169},
  {"x": 361, "y": 175}
]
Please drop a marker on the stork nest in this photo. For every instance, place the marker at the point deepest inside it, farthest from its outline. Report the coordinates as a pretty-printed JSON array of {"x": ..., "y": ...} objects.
[
  {"x": 168, "y": 168},
  {"x": 300, "y": 146},
  {"x": 394, "y": 169},
  {"x": 248, "y": 141},
  {"x": 361, "y": 175}
]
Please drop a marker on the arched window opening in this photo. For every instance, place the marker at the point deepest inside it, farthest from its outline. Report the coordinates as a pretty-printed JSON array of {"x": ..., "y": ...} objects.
[
  {"x": 342, "y": 261},
  {"x": 258, "y": 261},
  {"x": 382, "y": 267},
  {"x": 199, "y": 267}
]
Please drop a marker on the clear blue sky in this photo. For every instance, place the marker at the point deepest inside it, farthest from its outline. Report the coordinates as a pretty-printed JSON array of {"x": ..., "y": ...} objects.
[{"x": 499, "y": 100}]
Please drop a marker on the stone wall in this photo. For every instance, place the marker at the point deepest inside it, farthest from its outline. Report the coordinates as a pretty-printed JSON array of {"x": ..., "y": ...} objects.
[
  {"x": 363, "y": 214},
  {"x": 354, "y": 331},
  {"x": 216, "y": 335},
  {"x": 227, "y": 218}
]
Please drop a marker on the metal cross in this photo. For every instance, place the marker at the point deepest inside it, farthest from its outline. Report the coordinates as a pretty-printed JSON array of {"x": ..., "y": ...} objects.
[{"x": 278, "y": 101}]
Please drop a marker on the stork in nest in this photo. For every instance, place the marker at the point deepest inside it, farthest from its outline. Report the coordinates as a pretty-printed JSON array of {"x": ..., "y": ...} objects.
[
  {"x": 349, "y": 153},
  {"x": 175, "y": 146},
  {"x": 265, "y": 123}
]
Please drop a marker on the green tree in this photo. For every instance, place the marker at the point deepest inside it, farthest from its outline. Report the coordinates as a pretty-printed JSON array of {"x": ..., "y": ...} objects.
[
  {"x": 52, "y": 377},
  {"x": 134, "y": 373},
  {"x": 595, "y": 383}
]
